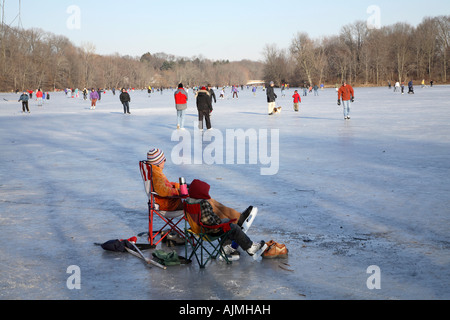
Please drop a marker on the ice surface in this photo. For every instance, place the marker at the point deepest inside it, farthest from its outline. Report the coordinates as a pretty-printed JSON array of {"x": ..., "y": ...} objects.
[{"x": 348, "y": 195}]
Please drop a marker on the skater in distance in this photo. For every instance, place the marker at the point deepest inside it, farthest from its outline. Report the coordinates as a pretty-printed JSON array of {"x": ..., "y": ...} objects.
[
  {"x": 125, "y": 99},
  {"x": 271, "y": 98},
  {"x": 347, "y": 94}
]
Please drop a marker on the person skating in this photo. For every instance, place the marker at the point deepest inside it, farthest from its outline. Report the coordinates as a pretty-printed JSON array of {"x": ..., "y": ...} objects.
[
  {"x": 39, "y": 96},
  {"x": 271, "y": 97},
  {"x": 125, "y": 99},
  {"x": 235, "y": 92},
  {"x": 297, "y": 100},
  {"x": 212, "y": 94},
  {"x": 204, "y": 107},
  {"x": 347, "y": 94},
  {"x": 93, "y": 96},
  {"x": 181, "y": 99},
  {"x": 24, "y": 98},
  {"x": 410, "y": 87}
]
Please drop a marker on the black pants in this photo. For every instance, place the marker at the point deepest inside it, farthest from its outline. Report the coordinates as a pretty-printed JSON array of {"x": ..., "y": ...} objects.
[
  {"x": 201, "y": 115},
  {"x": 240, "y": 237},
  {"x": 25, "y": 106}
]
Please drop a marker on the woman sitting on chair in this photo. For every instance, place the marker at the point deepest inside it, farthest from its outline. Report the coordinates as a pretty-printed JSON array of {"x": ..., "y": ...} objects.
[{"x": 166, "y": 189}]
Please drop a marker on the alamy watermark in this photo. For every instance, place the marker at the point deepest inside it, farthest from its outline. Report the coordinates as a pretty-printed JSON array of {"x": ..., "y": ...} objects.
[
  {"x": 73, "y": 22},
  {"x": 214, "y": 147},
  {"x": 374, "y": 20},
  {"x": 74, "y": 280},
  {"x": 374, "y": 281}
]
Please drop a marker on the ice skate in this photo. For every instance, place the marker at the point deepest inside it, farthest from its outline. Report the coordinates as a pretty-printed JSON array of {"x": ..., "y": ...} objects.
[
  {"x": 231, "y": 253},
  {"x": 250, "y": 219},
  {"x": 257, "y": 249}
]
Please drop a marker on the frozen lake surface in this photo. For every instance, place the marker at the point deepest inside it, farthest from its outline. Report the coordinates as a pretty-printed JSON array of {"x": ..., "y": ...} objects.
[{"x": 372, "y": 191}]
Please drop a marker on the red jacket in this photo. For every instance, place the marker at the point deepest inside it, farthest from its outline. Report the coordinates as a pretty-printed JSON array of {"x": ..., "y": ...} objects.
[
  {"x": 39, "y": 94},
  {"x": 297, "y": 98},
  {"x": 181, "y": 96},
  {"x": 346, "y": 93}
]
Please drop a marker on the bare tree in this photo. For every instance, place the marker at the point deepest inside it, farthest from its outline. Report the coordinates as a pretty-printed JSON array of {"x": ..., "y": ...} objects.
[
  {"x": 425, "y": 37},
  {"x": 276, "y": 65},
  {"x": 378, "y": 54},
  {"x": 87, "y": 52},
  {"x": 303, "y": 53},
  {"x": 354, "y": 37},
  {"x": 320, "y": 60},
  {"x": 401, "y": 39},
  {"x": 443, "y": 36}
]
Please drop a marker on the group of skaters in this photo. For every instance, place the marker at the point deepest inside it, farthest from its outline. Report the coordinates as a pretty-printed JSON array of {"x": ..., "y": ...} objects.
[
  {"x": 75, "y": 93},
  {"x": 27, "y": 95},
  {"x": 94, "y": 95},
  {"x": 400, "y": 87},
  {"x": 204, "y": 101},
  {"x": 125, "y": 99},
  {"x": 205, "y": 97},
  {"x": 346, "y": 95}
]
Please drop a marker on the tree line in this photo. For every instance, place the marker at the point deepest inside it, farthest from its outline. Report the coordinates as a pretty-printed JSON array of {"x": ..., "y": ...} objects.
[
  {"x": 364, "y": 56},
  {"x": 33, "y": 58}
]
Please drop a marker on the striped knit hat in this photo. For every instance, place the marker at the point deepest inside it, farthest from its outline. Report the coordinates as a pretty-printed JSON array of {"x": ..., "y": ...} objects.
[{"x": 155, "y": 157}]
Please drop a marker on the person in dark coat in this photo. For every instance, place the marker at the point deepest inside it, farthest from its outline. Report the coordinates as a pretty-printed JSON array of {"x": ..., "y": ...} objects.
[
  {"x": 271, "y": 97},
  {"x": 212, "y": 94},
  {"x": 125, "y": 99},
  {"x": 410, "y": 87},
  {"x": 204, "y": 107}
]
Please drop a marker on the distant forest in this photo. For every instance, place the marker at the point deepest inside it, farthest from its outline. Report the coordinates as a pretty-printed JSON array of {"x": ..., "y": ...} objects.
[{"x": 31, "y": 59}]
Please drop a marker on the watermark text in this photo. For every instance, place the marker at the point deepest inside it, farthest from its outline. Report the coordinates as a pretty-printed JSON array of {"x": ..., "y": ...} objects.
[{"x": 236, "y": 146}]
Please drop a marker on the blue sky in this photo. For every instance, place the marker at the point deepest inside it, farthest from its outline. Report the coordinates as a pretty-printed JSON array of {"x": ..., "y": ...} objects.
[{"x": 232, "y": 29}]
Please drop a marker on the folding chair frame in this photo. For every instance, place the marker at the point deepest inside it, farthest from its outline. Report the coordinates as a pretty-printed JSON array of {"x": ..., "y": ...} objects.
[
  {"x": 198, "y": 239},
  {"x": 168, "y": 217}
]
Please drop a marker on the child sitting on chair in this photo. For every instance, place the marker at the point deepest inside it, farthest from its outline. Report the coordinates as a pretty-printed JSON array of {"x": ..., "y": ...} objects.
[
  {"x": 199, "y": 193},
  {"x": 166, "y": 189}
]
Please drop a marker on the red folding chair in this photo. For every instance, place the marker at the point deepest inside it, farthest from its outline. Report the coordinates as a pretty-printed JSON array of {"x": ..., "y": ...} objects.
[{"x": 170, "y": 219}]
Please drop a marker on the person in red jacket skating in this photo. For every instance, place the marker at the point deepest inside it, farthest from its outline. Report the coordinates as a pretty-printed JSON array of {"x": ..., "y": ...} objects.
[
  {"x": 347, "y": 94},
  {"x": 39, "y": 96},
  {"x": 297, "y": 100},
  {"x": 181, "y": 99}
]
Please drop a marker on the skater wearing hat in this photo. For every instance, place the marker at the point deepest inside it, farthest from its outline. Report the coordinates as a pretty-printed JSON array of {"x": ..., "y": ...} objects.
[{"x": 181, "y": 99}]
